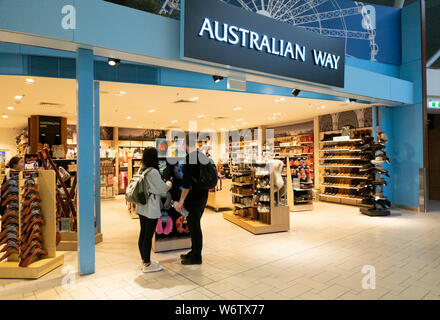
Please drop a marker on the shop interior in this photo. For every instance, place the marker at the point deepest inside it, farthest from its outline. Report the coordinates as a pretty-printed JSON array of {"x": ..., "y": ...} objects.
[{"x": 297, "y": 151}]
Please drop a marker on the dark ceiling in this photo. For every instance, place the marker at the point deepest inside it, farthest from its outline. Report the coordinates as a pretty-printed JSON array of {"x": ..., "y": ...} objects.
[{"x": 432, "y": 25}]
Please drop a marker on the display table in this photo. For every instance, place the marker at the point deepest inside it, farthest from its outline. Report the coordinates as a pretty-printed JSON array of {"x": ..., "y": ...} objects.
[{"x": 221, "y": 199}]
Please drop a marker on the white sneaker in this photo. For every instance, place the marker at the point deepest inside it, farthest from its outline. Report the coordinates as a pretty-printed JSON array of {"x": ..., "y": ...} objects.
[{"x": 153, "y": 267}]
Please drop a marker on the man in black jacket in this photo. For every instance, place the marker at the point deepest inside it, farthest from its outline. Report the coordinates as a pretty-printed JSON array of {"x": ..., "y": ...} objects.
[{"x": 193, "y": 199}]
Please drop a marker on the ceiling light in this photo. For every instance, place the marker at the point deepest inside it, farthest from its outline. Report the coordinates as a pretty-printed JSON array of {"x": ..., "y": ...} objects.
[
  {"x": 244, "y": 123},
  {"x": 296, "y": 92},
  {"x": 282, "y": 99},
  {"x": 122, "y": 92},
  {"x": 201, "y": 116},
  {"x": 212, "y": 123},
  {"x": 114, "y": 62},
  {"x": 217, "y": 79},
  {"x": 270, "y": 118},
  {"x": 138, "y": 127},
  {"x": 276, "y": 100},
  {"x": 128, "y": 118},
  {"x": 239, "y": 120},
  {"x": 323, "y": 107},
  {"x": 174, "y": 121},
  {"x": 237, "y": 108},
  {"x": 152, "y": 110},
  {"x": 161, "y": 128},
  {"x": 11, "y": 108},
  {"x": 104, "y": 124},
  {"x": 18, "y": 97},
  {"x": 4, "y": 116},
  {"x": 194, "y": 99},
  {"x": 29, "y": 80}
]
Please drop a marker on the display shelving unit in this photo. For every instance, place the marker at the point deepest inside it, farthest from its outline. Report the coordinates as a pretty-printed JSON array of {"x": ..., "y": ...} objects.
[
  {"x": 46, "y": 188},
  {"x": 340, "y": 162},
  {"x": 265, "y": 215},
  {"x": 297, "y": 152},
  {"x": 107, "y": 176}
]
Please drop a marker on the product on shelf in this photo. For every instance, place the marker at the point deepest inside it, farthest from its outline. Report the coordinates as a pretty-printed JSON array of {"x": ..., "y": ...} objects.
[
  {"x": 9, "y": 235},
  {"x": 107, "y": 174},
  {"x": 380, "y": 205},
  {"x": 32, "y": 221}
]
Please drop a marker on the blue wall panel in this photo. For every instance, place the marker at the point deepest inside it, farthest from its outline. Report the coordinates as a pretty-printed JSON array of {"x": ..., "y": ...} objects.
[{"x": 404, "y": 125}]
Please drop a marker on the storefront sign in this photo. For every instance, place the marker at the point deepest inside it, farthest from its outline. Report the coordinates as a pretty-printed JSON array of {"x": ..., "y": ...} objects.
[{"x": 224, "y": 34}]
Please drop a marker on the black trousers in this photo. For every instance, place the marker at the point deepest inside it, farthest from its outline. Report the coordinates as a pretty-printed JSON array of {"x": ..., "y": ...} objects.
[
  {"x": 195, "y": 211},
  {"x": 148, "y": 226}
]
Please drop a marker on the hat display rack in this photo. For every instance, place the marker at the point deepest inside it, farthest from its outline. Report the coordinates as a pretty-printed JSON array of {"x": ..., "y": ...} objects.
[{"x": 380, "y": 205}]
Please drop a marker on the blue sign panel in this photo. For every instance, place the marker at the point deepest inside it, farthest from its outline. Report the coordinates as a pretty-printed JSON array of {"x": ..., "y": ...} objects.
[
  {"x": 370, "y": 31},
  {"x": 219, "y": 33}
]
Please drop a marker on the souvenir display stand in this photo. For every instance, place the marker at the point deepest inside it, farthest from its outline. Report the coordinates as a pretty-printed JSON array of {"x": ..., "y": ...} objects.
[
  {"x": 265, "y": 212},
  {"x": 10, "y": 269},
  {"x": 174, "y": 234}
]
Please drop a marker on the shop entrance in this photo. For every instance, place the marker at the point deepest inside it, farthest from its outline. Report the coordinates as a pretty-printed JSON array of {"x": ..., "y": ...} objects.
[{"x": 316, "y": 141}]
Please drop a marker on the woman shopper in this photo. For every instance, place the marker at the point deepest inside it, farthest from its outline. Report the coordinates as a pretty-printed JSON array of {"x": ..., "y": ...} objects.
[
  {"x": 150, "y": 212},
  {"x": 16, "y": 163}
]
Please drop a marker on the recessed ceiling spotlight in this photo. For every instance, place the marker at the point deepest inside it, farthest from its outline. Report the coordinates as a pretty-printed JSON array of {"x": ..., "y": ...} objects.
[
  {"x": 174, "y": 121},
  {"x": 129, "y": 117},
  {"x": 104, "y": 124},
  {"x": 217, "y": 79},
  {"x": 161, "y": 128},
  {"x": 29, "y": 80},
  {"x": 114, "y": 62},
  {"x": 138, "y": 127},
  {"x": 11, "y": 108},
  {"x": 201, "y": 116},
  {"x": 282, "y": 99},
  {"x": 239, "y": 120},
  {"x": 270, "y": 118},
  {"x": 122, "y": 92},
  {"x": 4, "y": 116},
  {"x": 194, "y": 99},
  {"x": 237, "y": 108},
  {"x": 152, "y": 110},
  {"x": 323, "y": 107},
  {"x": 212, "y": 123},
  {"x": 18, "y": 97},
  {"x": 244, "y": 123},
  {"x": 277, "y": 100}
]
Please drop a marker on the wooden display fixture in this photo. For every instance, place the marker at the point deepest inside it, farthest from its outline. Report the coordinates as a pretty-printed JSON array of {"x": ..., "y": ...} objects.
[
  {"x": 10, "y": 269},
  {"x": 221, "y": 199},
  {"x": 290, "y": 193},
  {"x": 171, "y": 244},
  {"x": 279, "y": 216},
  {"x": 69, "y": 240},
  {"x": 343, "y": 159}
]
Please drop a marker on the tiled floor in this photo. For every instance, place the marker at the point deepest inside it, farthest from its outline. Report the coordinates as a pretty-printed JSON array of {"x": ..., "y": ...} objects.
[{"x": 322, "y": 257}]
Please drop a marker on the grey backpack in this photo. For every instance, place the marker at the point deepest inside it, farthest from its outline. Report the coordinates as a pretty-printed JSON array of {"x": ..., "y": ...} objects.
[{"x": 135, "y": 192}]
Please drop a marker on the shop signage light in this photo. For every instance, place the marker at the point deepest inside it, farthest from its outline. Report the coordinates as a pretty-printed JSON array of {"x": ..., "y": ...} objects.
[
  {"x": 219, "y": 33},
  {"x": 434, "y": 104}
]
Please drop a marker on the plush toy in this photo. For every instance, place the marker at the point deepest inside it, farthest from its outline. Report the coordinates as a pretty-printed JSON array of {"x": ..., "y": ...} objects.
[
  {"x": 179, "y": 225},
  {"x": 168, "y": 224}
]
